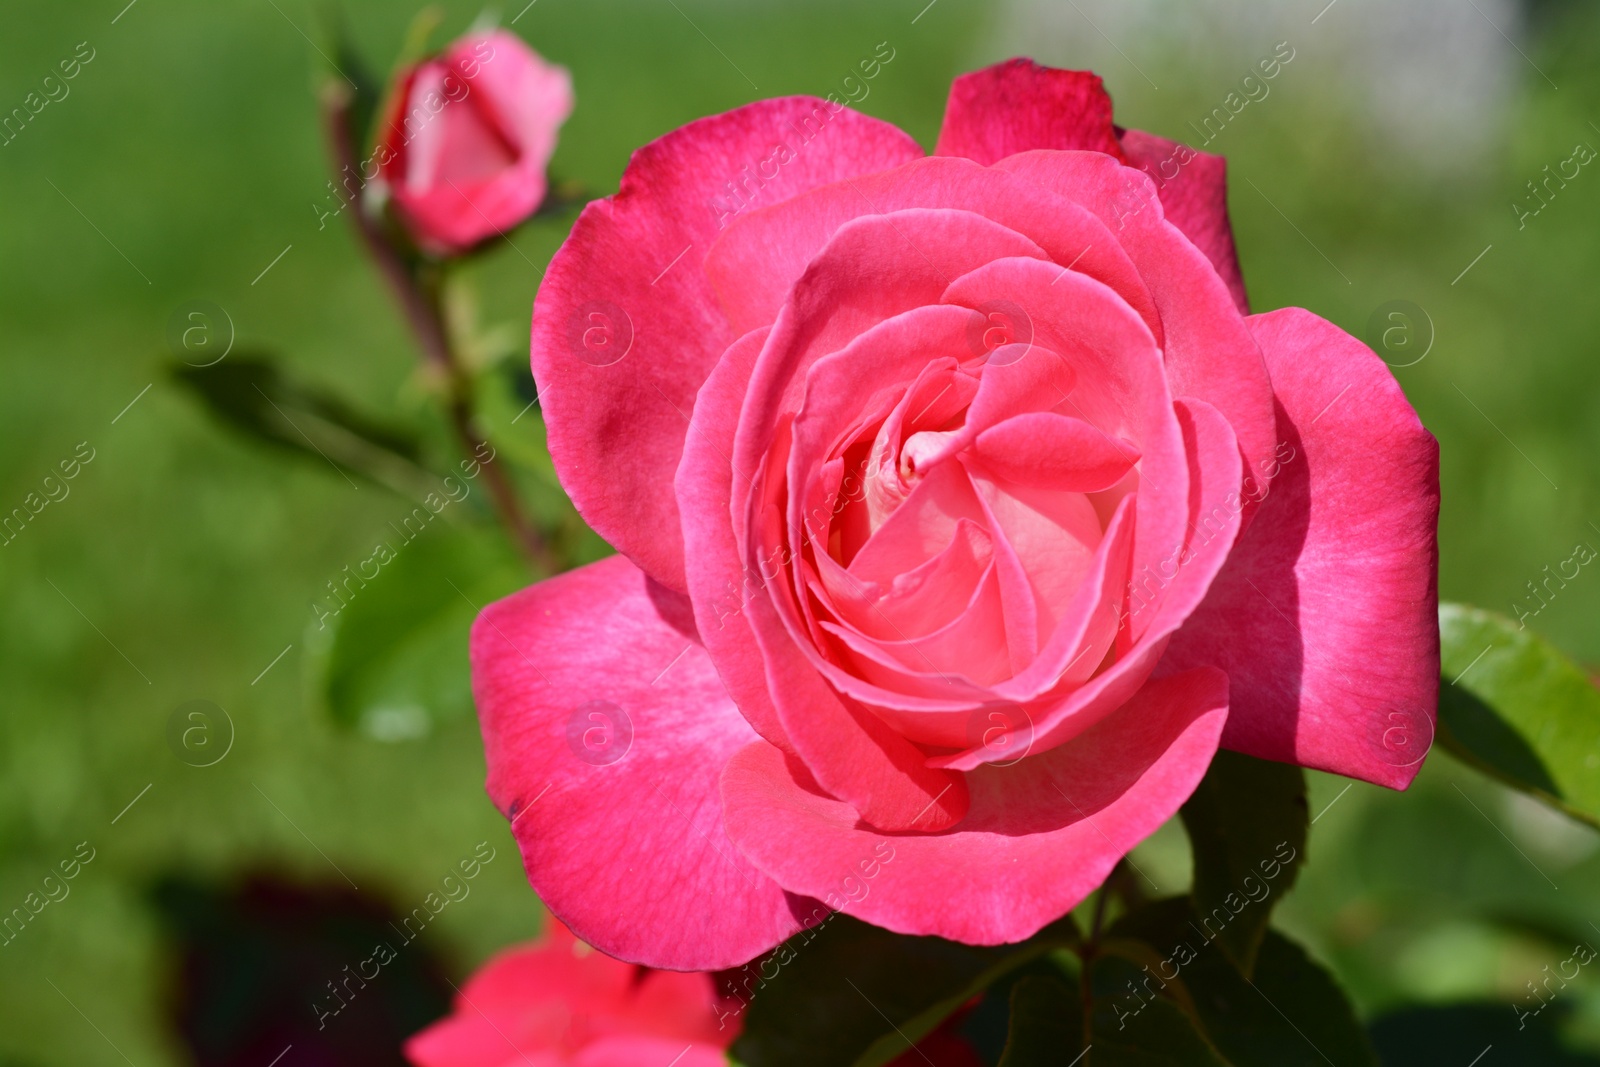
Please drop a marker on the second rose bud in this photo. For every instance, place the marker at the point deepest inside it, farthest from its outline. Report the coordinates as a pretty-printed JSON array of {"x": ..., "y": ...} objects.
[{"x": 467, "y": 137}]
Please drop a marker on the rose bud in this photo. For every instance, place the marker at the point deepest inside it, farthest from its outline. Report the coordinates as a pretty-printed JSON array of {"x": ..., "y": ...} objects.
[{"x": 467, "y": 139}]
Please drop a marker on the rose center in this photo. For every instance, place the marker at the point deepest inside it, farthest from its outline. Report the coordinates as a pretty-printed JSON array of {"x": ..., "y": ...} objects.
[{"x": 922, "y": 451}]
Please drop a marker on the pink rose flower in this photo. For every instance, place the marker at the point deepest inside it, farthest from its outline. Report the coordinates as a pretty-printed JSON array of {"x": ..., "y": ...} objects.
[
  {"x": 558, "y": 1003},
  {"x": 964, "y": 511},
  {"x": 469, "y": 134}
]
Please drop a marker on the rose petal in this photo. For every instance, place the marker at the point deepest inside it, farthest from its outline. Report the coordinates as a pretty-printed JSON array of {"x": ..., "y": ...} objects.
[
  {"x": 536, "y": 1000},
  {"x": 1020, "y": 105},
  {"x": 1210, "y": 353},
  {"x": 527, "y": 98},
  {"x": 626, "y": 328},
  {"x": 757, "y": 259},
  {"x": 1325, "y": 616},
  {"x": 1158, "y": 597},
  {"x": 1040, "y": 835},
  {"x": 604, "y": 641},
  {"x": 1121, "y": 385},
  {"x": 718, "y": 582},
  {"x": 1194, "y": 198},
  {"x": 1042, "y": 450}
]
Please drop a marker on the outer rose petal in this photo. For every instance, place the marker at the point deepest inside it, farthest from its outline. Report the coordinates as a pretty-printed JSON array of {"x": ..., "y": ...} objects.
[
  {"x": 1325, "y": 617},
  {"x": 1018, "y": 105},
  {"x": 626, "y": 327},
  {"x": 626, "y": 852},
  {"x": 530, "y": 97},
  {"x": 1194, "y": 197},
  {"x": 1040, "y": 835},
  {"x": 718, "y": 581}
]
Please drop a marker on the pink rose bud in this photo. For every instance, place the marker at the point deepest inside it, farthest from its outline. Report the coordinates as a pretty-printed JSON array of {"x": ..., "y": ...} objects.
[{"x": 468, "y": 137}]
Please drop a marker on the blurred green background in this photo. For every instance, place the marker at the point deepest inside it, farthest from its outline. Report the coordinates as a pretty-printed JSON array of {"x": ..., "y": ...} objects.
[{"x": 187, "y": 156}]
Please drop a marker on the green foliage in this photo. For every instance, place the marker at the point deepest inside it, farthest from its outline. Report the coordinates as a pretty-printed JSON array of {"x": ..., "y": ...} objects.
[
  {"x": 1514, "y": 707},
  {"x": 394, "y": 649},
  {"x": 1248, "y": 817},
  {"x": 1288, "y": 1013},
  {"x": 1459, "y": 1032},
  {"x": 853, "y": 995},
  {"x": 252, "y": 394},
  {"x": 1045, "y": 1023},
  {"x": 1164, "y": 1035}
]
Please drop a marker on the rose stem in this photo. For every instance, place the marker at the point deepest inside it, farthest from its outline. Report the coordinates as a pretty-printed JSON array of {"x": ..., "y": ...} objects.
[{"x": 422, "y": 308}]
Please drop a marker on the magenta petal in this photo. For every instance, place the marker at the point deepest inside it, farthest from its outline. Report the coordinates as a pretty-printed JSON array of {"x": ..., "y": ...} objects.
[
  {"x": 605, "y": 728},
  {"x": 626, "y": 327},
  {"x": 1209, "y": 351},
  {"x": 1019, "y": 105},
  {"x": 1326, "y": 615},
  {"x": 718, "y": 582},
  {"x": 1193, "y": 188},
  {"x": 1039, "y": 837}
]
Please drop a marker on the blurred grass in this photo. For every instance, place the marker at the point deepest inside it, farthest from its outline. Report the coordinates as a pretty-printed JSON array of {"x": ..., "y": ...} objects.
[{"x": 184, "y": 559}]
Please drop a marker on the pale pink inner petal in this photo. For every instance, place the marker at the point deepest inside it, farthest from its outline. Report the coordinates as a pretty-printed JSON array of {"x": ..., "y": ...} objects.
[
  {"x": 458, "y": 144},
  {"x": 915, "y": 602},
  {"x": 971, "y": 646}
]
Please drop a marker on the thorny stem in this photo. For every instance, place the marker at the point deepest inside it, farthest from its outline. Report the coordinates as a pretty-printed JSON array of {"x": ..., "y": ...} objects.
[{"x": 421, "y": 302}]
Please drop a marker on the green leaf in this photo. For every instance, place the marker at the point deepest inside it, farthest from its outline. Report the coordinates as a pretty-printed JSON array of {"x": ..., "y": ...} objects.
[
  {"x": 1130, "y": 1030},
  {"x": 1289, "y": 1013},
  {"x": 350, "y": 68},
  {"x": 1514, "y": 707},
  {"x": 1248, "y": 818},
  {"x": 393, "y": 649},
  {"x": 1459, "y": 1033},
  {"x": 846, "y": 994},
  {"x": 1046, "y": 1027},
  {"x": 250, "y": 393}
]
